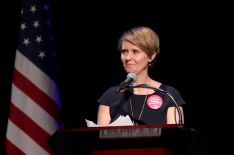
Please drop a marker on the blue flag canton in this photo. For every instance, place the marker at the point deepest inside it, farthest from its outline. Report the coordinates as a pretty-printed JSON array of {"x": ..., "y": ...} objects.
[{"x": 36, "y": 37}]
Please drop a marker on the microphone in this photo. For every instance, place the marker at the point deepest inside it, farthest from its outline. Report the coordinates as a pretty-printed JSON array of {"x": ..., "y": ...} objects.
[{"x": 130, "y": 78}]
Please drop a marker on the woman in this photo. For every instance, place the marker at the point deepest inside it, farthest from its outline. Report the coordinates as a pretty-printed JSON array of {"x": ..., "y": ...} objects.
[{"x": 139, "y": 48}]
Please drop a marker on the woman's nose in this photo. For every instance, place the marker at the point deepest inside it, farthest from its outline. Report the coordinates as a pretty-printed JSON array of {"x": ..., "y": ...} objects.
[{"x": 128, "y": 56}]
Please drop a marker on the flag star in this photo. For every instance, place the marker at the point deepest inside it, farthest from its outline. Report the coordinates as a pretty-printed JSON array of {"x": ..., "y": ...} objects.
[
  {"x": 23, "y": 26},
  {"x": 38, "y": 39},
  {"x": 42, "y": 54},
  {"x": 26, "y": 41},
  {"x": 33, "y": 8},
  {"x": 35, "y": 24}
]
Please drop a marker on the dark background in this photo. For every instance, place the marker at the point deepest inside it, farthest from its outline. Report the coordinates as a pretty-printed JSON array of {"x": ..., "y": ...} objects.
[{"x": 195, "y": 47}]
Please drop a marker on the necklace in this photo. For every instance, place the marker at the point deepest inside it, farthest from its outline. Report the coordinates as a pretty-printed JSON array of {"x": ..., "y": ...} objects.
[
  {"x": 142, "y": 109},
  {"x": 143, "y": 106}
]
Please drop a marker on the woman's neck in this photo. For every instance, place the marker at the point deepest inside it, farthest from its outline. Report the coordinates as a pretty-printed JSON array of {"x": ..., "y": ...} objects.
[{"x": 142, "y": 80}]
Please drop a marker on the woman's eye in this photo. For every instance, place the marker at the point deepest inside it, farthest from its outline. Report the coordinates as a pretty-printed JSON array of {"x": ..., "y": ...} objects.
[
  {"x": 124, "y": 51},
  {"x": 136, "y": 51}
]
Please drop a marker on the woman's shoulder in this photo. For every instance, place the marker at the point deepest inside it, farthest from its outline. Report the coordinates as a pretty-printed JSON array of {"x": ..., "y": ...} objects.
[
  {"x": 164, "y": 86},
  {"x": 167, "y": 87},
  {"x": 111, "y": 91},
  {"x": 170, "y": 89}
]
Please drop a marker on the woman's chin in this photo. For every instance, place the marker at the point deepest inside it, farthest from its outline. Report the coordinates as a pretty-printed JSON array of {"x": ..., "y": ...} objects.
[{"x": 129, "y": 71}]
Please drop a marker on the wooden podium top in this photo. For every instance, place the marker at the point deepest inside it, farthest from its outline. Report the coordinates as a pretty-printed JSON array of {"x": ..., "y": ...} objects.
[
  {"x": 84, "y": 139},
  {"x": 137, "y": 131},
  {"x": 116, "y": 127}
]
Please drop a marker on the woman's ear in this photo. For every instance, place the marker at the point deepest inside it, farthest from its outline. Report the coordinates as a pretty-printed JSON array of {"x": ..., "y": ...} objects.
[
  {"x": 152, "y": 57},
  {"x": 151, "y": 60}
]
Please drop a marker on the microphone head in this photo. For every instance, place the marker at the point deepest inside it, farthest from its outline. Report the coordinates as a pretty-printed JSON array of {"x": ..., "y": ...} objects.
[
  {"x": 132, "y": 75},
  {"x": 123, "y": 85}
]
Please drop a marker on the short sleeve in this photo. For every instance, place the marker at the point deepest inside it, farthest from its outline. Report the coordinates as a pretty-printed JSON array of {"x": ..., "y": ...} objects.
[
  {"x": 175, "y": 94},
  {"x": 106, "y": 96},
  {"x": 110, "y": 97}
]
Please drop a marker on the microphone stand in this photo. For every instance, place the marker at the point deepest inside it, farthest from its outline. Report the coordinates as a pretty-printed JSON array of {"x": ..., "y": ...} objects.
[{"x": 130, "y": 86}]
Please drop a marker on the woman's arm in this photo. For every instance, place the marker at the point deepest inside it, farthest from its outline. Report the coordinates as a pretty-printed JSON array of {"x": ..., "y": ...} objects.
[
  {"x": 172, "y": 113},
  {"x": 103, "y": 117}
]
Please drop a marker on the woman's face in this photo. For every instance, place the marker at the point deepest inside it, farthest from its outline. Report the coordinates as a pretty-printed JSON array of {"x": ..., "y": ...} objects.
[{"x": 133, "y": 58}]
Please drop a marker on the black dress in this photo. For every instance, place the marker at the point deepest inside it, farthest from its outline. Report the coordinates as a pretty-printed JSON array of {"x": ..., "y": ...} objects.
[{"x": 143, "y": 109}]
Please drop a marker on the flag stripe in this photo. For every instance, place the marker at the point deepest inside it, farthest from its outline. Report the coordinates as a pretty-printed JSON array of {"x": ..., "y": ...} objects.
[
  {"x": 37, "y": 77},
  {"x": 35, "y": 94},
  {"x": 12, "y": 149},
  {"x": 28, "y": 106},
  {"x": 19, "y": 118},
  {"x": 23, "y": 141}
]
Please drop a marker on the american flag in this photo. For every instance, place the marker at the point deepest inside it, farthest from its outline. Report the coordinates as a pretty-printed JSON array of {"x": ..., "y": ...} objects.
[{"x": 35, "y": 103}]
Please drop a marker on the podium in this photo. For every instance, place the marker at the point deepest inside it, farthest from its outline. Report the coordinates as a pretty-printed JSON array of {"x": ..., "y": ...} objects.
[{"x": 122, "y": 140}]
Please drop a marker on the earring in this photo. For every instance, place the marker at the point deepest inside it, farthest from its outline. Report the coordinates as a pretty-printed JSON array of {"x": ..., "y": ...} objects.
[{"x": 150, "y": 64}]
